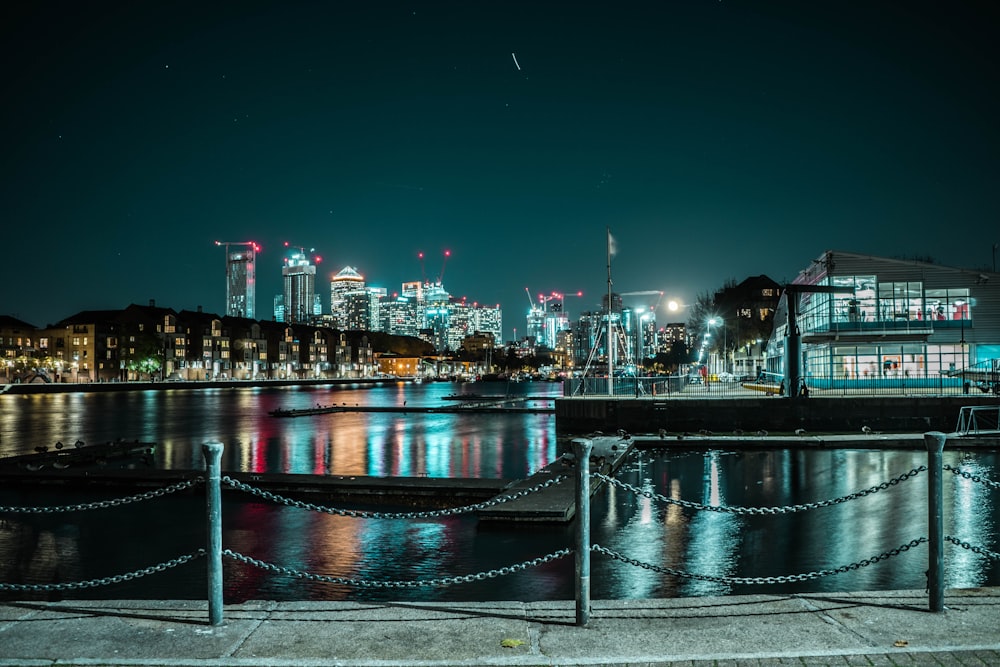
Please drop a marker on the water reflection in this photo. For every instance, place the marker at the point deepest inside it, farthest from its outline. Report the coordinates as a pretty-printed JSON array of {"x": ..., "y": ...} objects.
[
  {"x": 70, "y": 547},
  {"x": 379, "y": 444}
]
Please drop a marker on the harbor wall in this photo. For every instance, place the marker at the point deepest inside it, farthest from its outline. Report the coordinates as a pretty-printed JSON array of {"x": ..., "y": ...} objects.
[{"x": 899, "y": 414}]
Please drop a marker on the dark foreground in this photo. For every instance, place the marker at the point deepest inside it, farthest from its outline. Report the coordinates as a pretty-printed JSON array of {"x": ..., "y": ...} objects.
[{"x": 870, "y": 628}]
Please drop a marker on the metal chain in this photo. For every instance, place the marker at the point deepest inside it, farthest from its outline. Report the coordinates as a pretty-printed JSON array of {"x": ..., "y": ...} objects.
[
  {"x": 975, "y": 478},
  {"x": 417, "y": 583},
  {"x": 979, "y": 550},
  {"x": 787, "y": 509},
  {"x": 104, "y": 504},
  {"x": 808, "y": 576},
  {"x": 389, "y": 515},
  {"x": 106, "y": 581}
]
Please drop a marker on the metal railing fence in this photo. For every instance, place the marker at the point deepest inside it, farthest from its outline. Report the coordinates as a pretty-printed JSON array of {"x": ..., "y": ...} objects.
[
  {"x": 582, "y": 547},
  {"x": 715, "y": 386}
]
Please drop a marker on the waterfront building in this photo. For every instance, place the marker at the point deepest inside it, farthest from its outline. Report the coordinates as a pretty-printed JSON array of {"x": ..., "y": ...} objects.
[
  {"x": 397, "y": 365},
  {"x": 208, "y": 348},
  {"x": 912, "y": 322},
  {"x": 248, "y": 358},
  {"x": 152, "y": 342},
  {"x": 299, "y": 280},
  {"x": 18, "y": 344},
  {"x": 282, "y": 350},
  {"x": 83, "y": 347}
]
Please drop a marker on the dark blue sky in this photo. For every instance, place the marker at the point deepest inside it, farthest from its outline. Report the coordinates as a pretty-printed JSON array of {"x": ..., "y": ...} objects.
[{"x": 716, "y": 139}]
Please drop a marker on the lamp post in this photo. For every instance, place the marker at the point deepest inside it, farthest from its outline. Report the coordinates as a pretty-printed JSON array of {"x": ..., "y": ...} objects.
[
  {"x": 714, "y": 322},
  {"x": 676, "y": 307}
]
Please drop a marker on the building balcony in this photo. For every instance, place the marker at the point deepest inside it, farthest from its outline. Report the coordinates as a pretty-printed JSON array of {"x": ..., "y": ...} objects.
[{"x": 898, "y": 329}]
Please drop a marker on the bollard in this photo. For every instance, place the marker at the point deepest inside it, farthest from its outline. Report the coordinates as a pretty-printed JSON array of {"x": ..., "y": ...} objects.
[
  {"x": 581, "y": 449},
  {"x": 934, "y": 441},
  {"x": 213, "y": 507}
]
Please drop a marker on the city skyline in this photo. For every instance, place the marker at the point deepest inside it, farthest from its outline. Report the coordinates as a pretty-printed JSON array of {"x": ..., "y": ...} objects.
[{"x": 717, "y": 140}]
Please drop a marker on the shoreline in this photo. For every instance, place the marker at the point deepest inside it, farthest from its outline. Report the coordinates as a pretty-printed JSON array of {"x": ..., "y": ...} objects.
[{"x": 69, "y": 387}]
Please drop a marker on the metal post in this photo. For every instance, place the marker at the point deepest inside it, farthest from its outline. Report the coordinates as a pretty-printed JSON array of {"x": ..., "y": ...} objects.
[
  {"x": 581, "y": 449},
  {"x": 213, "y": 506},
  {"x": 934, "y": 441}
]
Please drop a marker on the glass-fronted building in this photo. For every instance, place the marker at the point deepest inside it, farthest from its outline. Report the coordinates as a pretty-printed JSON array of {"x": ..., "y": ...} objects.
[{"x": 913, "y": 323}]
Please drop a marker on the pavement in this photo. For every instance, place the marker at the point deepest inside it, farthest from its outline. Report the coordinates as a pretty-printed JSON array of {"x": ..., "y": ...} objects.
[{"x": 866, "y": 628}]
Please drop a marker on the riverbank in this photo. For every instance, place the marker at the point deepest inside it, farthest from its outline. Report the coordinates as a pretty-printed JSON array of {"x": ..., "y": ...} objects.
[{"x": 69, "y": 387}]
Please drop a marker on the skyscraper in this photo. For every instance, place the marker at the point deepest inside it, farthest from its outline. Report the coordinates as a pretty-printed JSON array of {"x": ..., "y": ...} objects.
[
  {"x": 299, "y": 277},
  {"x": 241, "y": 282},
  {"x": 346, "y": 284}
]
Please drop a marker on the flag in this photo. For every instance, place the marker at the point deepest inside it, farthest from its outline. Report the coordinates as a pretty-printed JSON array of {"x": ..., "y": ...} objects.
[{"x": 612, "y": 246}]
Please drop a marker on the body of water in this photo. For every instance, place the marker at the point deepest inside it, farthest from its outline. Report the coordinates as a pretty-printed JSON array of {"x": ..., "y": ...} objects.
[{"x": 94, "y": 544}]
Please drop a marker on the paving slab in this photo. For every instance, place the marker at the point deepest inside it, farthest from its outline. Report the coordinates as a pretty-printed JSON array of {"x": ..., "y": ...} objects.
[{"x": 871, "y": 628}]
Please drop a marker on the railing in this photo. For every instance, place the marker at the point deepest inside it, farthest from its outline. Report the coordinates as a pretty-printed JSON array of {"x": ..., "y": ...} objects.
[
  {"x": 723, "y": 386},
  {"x": 583, "y": 548}
]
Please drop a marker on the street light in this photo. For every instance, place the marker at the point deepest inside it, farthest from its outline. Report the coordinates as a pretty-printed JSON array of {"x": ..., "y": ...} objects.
[{"x": 718, "y": 321}]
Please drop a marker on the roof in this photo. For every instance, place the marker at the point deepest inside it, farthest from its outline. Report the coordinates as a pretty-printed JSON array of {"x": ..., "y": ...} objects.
[{"x": 8, "y": 322}]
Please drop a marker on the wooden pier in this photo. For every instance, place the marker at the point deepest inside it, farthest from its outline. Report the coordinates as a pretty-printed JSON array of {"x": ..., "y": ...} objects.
[{"x": 557, "y": 503}]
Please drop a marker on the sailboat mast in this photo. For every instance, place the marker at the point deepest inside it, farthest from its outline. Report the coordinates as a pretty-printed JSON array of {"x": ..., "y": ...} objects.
[{"x": 611, "y": 341}]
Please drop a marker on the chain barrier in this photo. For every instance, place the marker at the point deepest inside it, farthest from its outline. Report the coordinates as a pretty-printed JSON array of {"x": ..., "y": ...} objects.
[
  {"x": 361, "y": 514},
  {"x": 979, "y": 550},
  {"x": 106, "y": 581},
  {"x": 975, "y": 478},
  {"x": 415, "y": 583},
  {"x": 787, "y": 509},
  {"x": 785, "y": 579},
  {"x": 104, "y": 504}
]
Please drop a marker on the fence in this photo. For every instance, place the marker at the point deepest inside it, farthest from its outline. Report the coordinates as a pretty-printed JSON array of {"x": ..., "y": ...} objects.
[
  {"x": 714, "y": 386},
  {"x": 582, "y": 548}
]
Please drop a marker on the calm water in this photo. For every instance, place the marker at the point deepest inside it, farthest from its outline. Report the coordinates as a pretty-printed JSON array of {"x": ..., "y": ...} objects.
[{"x": 86, "y": 545}]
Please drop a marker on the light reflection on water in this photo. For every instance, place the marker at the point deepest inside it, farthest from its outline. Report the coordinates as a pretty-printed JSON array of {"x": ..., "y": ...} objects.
[{"x": 71, "y": 547}]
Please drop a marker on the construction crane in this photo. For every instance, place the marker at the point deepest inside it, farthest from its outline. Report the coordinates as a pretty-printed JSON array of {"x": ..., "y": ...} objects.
[
  {"x": 650, "y": 292},
  {"x": 302, "y": 251},
  {"x": 423, "y": 272},
  {"x": 559, "y": 297},
  {"x": 241, "y": 280}
]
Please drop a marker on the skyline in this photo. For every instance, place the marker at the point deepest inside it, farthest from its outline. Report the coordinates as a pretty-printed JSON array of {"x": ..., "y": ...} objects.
[{"x": 717, "y": 140}]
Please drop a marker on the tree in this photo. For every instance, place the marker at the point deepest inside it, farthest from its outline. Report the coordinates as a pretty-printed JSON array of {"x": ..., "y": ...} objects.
[{"x": 142, "y": 353}]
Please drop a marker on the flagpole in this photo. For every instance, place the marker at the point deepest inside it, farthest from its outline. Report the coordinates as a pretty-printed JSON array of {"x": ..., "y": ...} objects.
[{"x": 611, "y": 341}]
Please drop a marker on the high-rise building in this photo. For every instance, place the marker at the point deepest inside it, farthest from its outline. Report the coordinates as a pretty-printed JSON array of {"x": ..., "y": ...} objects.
[
  {"x": 344, "y": 287},
  {"x": 299, "y": 277},
  {"x": 398, "y": 315},
  {"x": 241, "y": 282}
]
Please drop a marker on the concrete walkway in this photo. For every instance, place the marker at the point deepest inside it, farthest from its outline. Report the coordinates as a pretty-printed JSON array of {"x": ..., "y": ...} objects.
[{"x": 875, "y": 628}]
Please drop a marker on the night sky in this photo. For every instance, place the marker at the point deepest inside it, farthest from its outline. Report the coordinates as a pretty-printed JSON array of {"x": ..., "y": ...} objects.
[{"x": 717, "y": 140}]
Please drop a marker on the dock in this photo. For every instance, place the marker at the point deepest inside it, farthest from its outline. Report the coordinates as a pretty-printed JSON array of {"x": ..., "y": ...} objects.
[
  {"x": 422, "y": 492},
  {"x": 487, "y": 405},
  {"x": 557, "y": 503},
  {"x": 764, "y": 440}
]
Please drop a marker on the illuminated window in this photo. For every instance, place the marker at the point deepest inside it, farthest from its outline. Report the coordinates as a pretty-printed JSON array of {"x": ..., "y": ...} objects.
[{"x": 948, "y": 304}]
